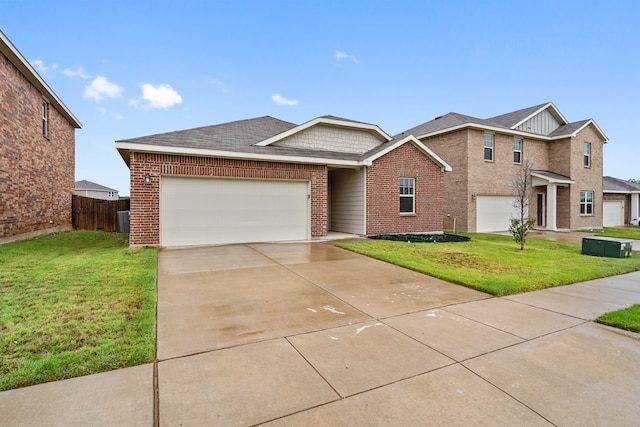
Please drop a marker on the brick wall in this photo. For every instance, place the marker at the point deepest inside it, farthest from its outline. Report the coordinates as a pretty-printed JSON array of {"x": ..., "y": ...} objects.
[
  {"x": 383, "y": 183},
  {"x": 452, "y": 148},
  {"x": 145, "y": 199},
  {"x": 36, "y": 172}
]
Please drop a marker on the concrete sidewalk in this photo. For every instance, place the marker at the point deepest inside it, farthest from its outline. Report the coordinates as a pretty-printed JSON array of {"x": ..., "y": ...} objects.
[{"x": 309, "y": 334}]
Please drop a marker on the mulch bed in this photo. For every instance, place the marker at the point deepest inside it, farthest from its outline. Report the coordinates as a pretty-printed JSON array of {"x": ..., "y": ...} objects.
[{"x": 418, "y": 238}]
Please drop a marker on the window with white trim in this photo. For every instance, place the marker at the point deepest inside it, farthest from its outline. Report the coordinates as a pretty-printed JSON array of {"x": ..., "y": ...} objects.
[
  {"x": 587, "y": 154},
  {"x": 517, "y": 150},
  {"x": 45, "y": 117},
  {"x": 407, "y": 195},
  {"x": 488, "y": 147},
  {"x": 586, "y": 203}
]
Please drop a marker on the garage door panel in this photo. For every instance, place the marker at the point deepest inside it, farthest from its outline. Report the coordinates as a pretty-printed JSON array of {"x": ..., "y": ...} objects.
[
  {"x": 494, "y": 213},
  {"x": 612, "y": 213},
  {"x": 199, "y": 211}
]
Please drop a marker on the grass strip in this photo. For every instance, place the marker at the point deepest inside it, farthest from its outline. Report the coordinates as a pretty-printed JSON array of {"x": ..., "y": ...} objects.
[
  {"x": 627, "y": 318},
  {"x": 494, "y": 263},
  {"x": 74, "y": 304}
]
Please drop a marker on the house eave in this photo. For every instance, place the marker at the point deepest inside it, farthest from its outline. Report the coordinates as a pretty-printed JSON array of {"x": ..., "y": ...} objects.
[
  {"x": 376, "y": 130},
  {"x": 444, "y": 166},
  {"x": 15, "y": 57},
  {"x": 508, "y": 131},
  {"x": 125, "y": 148}
]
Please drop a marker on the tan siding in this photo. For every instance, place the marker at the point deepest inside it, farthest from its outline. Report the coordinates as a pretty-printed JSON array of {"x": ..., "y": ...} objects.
[
  {"x": 543, "y": 123},
  {"x": 329, "y": 138},
  {"x": 347, "y": 201}
]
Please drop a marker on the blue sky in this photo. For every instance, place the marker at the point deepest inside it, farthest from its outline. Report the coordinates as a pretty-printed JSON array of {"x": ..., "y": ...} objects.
[{"x": 134, "y": 68}]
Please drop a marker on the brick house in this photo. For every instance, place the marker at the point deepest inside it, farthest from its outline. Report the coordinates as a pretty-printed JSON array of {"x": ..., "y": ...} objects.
[
  {"x": 485, "y": 154},
  {"x": 37, "y": 133},
  {"x": 621, "y": 201},
  {"x": 265, "y": 179}
]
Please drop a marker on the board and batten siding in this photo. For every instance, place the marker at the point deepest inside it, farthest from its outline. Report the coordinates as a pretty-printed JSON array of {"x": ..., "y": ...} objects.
[
  {"x": 348, "y": 201},
  {"x": 542, "y": 123}
]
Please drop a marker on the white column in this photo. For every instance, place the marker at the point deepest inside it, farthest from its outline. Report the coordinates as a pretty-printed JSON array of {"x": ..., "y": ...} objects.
[
  {"x": 552, "y": 193},
  {"x": 635, "y": 202}
]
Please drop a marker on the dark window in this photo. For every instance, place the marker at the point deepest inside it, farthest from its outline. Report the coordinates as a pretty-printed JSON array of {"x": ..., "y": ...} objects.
[
  {"x": 407, "y": 195},
  {"x": 517, "y": 150},
  {"x": 587, "y": 154},
  {"x": 586, "y": 203},
  {"x": 45, "y": 117},
  {"x": 488, "y": 146}
]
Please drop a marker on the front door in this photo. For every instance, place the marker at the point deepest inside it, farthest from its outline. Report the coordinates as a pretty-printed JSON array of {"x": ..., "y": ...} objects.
[{"x": 540, "y": 222}]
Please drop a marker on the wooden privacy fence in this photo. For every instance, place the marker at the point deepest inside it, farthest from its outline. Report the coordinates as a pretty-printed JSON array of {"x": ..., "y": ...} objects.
[{"x": 97, "y": 214}]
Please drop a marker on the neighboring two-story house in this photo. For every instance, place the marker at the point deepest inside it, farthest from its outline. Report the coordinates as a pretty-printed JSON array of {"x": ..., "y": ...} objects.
[
  {"x": 37, "y": 139},
  {"x": 486, "y": 154}
]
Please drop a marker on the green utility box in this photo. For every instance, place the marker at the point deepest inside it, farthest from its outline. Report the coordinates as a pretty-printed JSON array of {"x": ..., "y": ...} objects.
[{"x": 606, "y": 247}]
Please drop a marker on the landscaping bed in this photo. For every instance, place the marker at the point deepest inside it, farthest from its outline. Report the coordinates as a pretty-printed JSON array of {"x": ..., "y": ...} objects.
[{"x": 421, "y": 238}]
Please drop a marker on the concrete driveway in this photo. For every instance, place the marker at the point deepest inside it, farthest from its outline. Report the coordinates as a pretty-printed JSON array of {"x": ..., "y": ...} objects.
[{"x": 309, "y": 334}]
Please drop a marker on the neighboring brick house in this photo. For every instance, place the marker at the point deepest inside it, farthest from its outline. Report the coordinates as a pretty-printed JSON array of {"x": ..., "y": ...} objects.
[
  {"x": 265, "y": 179},
  {"x": 37, "y": 135},
  {"x": 621, "y": 201},
  {"x": 485, "y": 154},
  {"x": 90, "y": 189}
]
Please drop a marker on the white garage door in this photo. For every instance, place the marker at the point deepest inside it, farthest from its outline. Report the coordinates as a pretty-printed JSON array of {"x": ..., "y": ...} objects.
[
  {"x": 613, "y": 213},
  {"x": 494, "y": 213},
  {"x": 204, "y": 211}
]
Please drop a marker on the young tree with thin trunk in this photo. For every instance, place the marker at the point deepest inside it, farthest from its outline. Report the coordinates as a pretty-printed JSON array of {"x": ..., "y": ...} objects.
[{"x": 521, "y": 186}]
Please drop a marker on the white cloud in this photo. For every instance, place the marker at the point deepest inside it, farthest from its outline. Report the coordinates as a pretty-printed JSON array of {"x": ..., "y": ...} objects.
[
  {"x": 162, "y": 96},
  {"x": 101, "y": 87},
  {"x": 42, "y": 68},
  {"x": 78, "y": 72},
  {"x": 283, "y": 101},
  {"x": 343, "y": 55}
]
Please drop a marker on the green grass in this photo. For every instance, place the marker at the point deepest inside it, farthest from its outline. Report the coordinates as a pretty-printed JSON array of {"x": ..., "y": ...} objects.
[
  {"x": 74, "y": 304},
  {"x": 620, "y": 233},
  {"x": 494, "y": 263},
  {"x": 628, "y": 318}
]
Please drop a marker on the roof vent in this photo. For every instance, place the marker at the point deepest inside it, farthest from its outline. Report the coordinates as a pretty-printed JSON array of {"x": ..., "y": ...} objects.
[{"x": 439, "y": 117}]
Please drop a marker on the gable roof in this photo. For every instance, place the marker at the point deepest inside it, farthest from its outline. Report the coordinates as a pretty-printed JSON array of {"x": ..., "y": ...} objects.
[
  {"x": 13, "y": 54},
  {"x": 252, "y": 139},
  {"x": 329, "y": 121},
  {"x": 506, "y": 122},
  {"x": 616, "y": 185},
  {"x": 515, "y": 118},
  {"x": 92, "y": 186}
]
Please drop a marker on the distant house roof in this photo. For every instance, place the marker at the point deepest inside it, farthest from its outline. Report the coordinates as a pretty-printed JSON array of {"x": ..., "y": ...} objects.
[
  {"x": 92, "y": 186},
  {"x": 254, "y": 138},
  {"x": 505, "y": 122},
  {"x": 10, "y": 51},
  {"x": 616, "y": 185}
]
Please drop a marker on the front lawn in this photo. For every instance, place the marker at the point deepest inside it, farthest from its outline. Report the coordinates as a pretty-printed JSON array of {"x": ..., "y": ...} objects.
[
  {"x": 620, "y": 233},
  {"x": 627, "y": 318},
  {"x": 494, "y": 263},
  {"x": 74, "y": 304}
]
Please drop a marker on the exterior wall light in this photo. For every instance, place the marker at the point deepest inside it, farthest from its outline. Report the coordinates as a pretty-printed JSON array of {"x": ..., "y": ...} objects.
[
  {"x": 474, "y": 197},
  {"x": 147, "y": 179}
]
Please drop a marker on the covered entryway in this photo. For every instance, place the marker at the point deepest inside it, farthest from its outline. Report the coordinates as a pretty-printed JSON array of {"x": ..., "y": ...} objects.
[
  {"x": 494, "y": 213},
  {"x": 347, "y": 201},
  {"x": 205, "y": 211},
  {"x": 613, "y": 213}
]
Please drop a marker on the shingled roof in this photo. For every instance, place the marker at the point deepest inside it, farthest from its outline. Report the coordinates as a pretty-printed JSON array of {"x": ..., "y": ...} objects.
[
  {"x": 616, "y": 185},
  {"x": 509, "y": 121}
]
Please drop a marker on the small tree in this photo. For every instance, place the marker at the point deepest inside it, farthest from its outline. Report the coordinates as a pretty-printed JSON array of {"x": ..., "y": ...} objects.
[
  {"x": 634, "y": 180},
  {"x": 521, "y": 186}
]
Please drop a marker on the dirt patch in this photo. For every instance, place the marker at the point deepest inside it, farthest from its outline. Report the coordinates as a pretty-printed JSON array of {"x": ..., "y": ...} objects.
[{"x": 421, "y": 238}]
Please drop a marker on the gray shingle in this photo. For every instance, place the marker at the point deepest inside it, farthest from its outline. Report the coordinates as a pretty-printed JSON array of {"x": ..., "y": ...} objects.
[
  {"x": 88, "y": 185},
  {"x": 612, "y": 184},
  {"x": 509, "y": 120}
]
